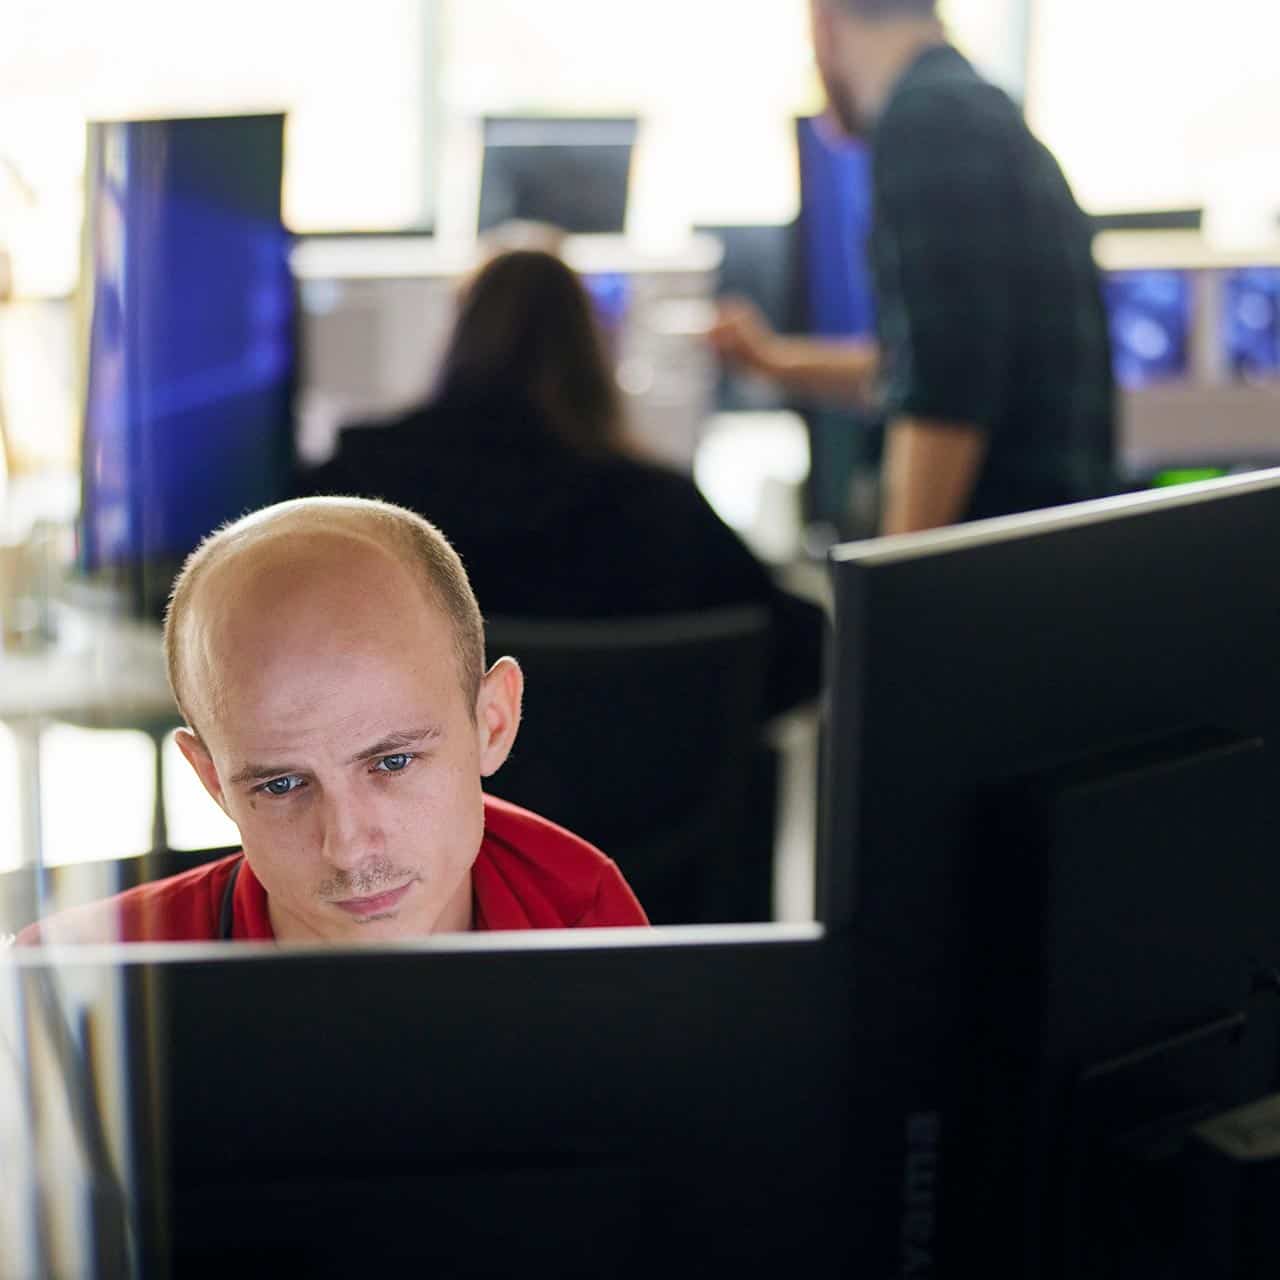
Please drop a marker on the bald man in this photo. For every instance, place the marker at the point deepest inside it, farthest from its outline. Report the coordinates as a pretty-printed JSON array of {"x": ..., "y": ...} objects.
[{"x": 327, "y": 656}]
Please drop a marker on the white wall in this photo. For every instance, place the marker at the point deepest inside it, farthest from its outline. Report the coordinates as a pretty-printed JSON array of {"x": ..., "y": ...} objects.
[
  {"x": 353, "y": 78},
  {"x": 1159, "y": 103}
]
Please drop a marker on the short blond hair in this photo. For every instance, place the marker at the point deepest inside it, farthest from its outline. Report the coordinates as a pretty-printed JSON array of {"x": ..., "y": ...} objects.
[{"x": 415, "y": 542}]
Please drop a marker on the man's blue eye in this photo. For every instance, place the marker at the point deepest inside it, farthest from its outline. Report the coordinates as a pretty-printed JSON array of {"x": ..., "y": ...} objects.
[
  {"x": 280, "y": 786},
  {"x": 394, "y": 764}
]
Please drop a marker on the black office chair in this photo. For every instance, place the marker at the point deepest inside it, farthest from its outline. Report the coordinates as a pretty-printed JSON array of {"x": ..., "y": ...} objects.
[{"x": 642, "y": 736}]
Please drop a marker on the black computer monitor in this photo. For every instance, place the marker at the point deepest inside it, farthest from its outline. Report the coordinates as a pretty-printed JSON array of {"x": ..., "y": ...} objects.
[
  {"x": 1047, "y": 952},
  {"x": 571, "y": 172},
  {"x": 596, "y": 1103},
  {"x": 189, "y": 359},
  {"x": 1053, "y": 757}
]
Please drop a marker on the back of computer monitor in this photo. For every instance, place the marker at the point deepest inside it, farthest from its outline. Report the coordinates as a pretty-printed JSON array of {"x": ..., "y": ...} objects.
[
  {"x": 570, "y": 172},
  {"x": 1051, "y": 744},
  {"x": 603, "y": 1103}
]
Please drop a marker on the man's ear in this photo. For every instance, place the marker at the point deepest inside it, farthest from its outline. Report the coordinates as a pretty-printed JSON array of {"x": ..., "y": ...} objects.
[
  {"x": 201, "y": 761},
  {"x": 498, "y": 713}
]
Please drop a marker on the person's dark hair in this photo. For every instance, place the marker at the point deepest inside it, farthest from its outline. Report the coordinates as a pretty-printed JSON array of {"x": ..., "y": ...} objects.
[
  {"x": 526, "y": 327},
  {"x": 879, "y": 9}
]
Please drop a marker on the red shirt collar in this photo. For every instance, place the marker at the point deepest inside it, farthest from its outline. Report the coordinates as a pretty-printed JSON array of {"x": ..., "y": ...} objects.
[{"x": 251, "y": 921}]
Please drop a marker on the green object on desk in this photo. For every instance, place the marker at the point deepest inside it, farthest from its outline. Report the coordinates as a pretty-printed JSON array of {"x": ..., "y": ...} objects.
[{"x": 1186, "y": 475}]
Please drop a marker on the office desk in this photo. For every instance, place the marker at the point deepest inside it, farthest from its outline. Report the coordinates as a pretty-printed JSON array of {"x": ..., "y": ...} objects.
[{"x": 102, "y": 672}]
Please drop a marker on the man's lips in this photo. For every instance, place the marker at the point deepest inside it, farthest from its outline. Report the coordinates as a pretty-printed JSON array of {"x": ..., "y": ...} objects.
[{"x": 377, "y": 904}]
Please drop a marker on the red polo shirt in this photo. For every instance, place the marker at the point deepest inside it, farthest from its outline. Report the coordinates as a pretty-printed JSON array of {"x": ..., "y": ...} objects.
[{"x": 529, "y": 874}]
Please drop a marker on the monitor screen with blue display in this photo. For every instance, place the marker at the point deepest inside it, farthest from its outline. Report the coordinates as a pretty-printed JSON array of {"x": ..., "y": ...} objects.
[
  {"x": 190, "y": 341},
  {"x": 838, "y": 301},
  {"x": 610, "y": 293},
  {"x": 835, "y": 220},
  {"x": 1251, "y": 315},
  {"x": 1150, "y": 316}
]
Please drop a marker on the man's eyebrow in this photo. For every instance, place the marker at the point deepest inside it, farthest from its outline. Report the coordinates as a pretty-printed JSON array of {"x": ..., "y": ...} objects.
[
  {"x": 384, "y": 746},
  {"x": 394, "y": 741},
  {"x": 255, "y": 772}
]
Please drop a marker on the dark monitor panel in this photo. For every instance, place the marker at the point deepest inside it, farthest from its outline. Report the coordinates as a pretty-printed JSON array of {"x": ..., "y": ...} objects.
[
  {"x": 593, "y": 1105},
  {"x": 1053, "y": 752},
  {"x": 1150, "y": 220},
  {"x": 571, "y": 172},
  {"x": 189, "y": 362}
]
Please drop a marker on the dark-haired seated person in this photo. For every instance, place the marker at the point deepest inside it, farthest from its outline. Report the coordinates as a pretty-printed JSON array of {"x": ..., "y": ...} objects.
[
  {"x": 520, "y": 455},
  {"x": 328, "y": 658}
]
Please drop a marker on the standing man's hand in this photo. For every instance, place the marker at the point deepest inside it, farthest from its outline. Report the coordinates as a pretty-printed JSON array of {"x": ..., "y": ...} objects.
[
  {"x": 6, "y": 276},
  {"x": 742, "y": 336},
  {"x": 842, "y": 369}
]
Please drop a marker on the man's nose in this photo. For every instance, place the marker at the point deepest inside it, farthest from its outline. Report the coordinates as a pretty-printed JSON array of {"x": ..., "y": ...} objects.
[{"x": 351, "y": 832}]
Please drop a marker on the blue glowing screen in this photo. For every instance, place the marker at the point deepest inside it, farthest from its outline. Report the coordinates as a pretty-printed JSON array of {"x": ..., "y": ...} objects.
[
  {"x": 1150, "y": 317},
  {"x": 835, "y": 221},
  {"x": 190, "y": 356},
  {"x": 1251, "y": 314}
]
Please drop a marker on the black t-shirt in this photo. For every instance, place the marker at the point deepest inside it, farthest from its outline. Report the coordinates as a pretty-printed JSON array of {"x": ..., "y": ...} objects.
[{"x": 990, "y": 303}]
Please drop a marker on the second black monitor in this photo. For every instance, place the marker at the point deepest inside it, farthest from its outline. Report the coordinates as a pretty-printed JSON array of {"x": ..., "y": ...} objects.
[{"x": 572, "y": 172}]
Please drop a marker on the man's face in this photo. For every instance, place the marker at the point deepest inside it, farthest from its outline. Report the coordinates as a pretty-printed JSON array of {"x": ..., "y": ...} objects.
[
  {"x": 842, "y": 100},
  {"x": 342, "y": 746}
]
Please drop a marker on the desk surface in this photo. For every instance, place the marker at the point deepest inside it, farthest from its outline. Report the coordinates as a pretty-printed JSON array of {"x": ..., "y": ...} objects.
[{"x": 102, "y": 671}]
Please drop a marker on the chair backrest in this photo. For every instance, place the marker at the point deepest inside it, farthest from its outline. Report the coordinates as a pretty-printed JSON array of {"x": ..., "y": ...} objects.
[{"x": 639, "y": 735}]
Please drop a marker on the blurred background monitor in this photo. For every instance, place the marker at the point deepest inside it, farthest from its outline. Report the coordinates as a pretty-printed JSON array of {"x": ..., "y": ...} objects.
[
  {"x": 189, "y": 343},
  {"x": 1053, "y": 743},
  {"x": 1150, "y": 318},
  {"x": 571, "y": 172},
  {"x": 1251, "y": 330},
  {"x": 611, "y": 295},
  {"x": 837, "y": 301}
]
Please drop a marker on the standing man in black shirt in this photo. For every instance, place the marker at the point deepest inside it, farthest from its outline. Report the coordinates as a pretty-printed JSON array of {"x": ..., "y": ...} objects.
[{"x": 993, "y": 361}]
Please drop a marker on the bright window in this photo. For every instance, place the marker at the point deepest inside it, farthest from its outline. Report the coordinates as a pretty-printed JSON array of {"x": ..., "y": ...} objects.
[{"x": 1160, "y": 104}]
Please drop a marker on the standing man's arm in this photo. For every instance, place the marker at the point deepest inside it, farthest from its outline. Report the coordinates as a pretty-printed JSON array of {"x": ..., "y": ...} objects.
[
  {"x": 825, "y": 368},
  {"x": 928, "y": 473}
]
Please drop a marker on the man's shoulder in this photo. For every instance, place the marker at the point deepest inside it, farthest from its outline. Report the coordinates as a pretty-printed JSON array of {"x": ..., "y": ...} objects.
[
  {"x": 179, "y": 908},
  {"x": 944, "y": 97},
  {"x": 532, "y": 867},
  {"x": 552, "y": 846}
]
